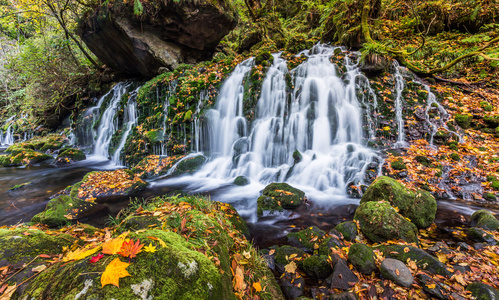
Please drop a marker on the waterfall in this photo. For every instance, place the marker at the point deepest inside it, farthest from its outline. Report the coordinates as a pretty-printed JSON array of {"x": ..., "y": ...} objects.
[
  {"x": 130, "y": 120},
  {"x": 399, "y": 88},
  {"x": 108, "y": 122},
  {"x": 7, "y": 139},
  {"x": 321, "y": 118},
  {"x": 172, "y": 87}
]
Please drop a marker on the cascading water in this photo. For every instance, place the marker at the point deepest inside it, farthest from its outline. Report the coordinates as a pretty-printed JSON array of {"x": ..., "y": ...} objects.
[
  {"x": 130, "y": 120},
  {"x": 321, "y": 118},
  {"x": 172, "y": 87},
  {"x": 399, "y": 88},
  {"x": 108, "y": 123},
  {"x": 7, "y": 139}
]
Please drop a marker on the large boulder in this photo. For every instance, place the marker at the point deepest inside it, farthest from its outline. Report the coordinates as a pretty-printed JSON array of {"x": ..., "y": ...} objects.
[
  {"x": 419, "y": 206},
  {"x": 139, "y": 40},
  {"x": 380, "y": 222},
  {"x": 66, "y": 209},
  {"x": 484, "y": 219},
  {"x": 277, "y": 196}
]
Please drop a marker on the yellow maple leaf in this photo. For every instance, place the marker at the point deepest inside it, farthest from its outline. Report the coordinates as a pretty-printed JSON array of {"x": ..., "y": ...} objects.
[
  {"x": 113, "y": 246},
  {"x": 80, "y": 253},
  {"x": 150, "y": 248},
  {"x": 290, "y": 268},
  {"x": 257, "y": 286},
  {"x": 114, "y": 271}
]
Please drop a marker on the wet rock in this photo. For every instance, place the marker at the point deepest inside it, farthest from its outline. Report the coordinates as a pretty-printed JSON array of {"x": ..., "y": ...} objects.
[
  {"x": 380, "y": 223},
  {"x": 319, "y": 292},
  {"x": 431, "y": 287},
  {"x": 141, "y": 45},
  {"x": 483, "y": 291},
  {"x": 419, "y": 206},
  {"x": 279, "y": 196},
  {"x": 69, "y": 155},
  {"x": 65, "y": 210},
  {"x": 396, "y": 271},
  {"x": 374, "y": 63},
  {"x": 307, "y": 239},
  {"x": 343, "y": 296},
  {"x": 317, "y": 266},
  {"x": 328, "y": 243},
  {"x": 189, "y": 165},
  {"x": 362, "y": 258},
  {"x": 348, "y": 230},
  {"x": 291, "y": 286},
  {"x": 241, "y": 180},
  {"x": 484, "y": 219},
  {"x": 478, "y": 235},
  {"x": 342, "y": 278},
  {"x": 423, "y": 260},
  {"x": 283, "y": 254}
]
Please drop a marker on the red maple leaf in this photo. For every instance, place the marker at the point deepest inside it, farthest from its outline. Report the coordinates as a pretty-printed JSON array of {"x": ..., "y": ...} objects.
[
  {"x": 130, "y": 249},
  {"x": 96, "y": 258}
]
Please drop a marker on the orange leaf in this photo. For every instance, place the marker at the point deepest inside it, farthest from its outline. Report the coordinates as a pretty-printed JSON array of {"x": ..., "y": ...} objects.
[
  {"x": 113, "y": 246},
  {"x": 257, "y": 286},
  {"x": 131, "y": 249},
  {"x": 114, "y": 271}
]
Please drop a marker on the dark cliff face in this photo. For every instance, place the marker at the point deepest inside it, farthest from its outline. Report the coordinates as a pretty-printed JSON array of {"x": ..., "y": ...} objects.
[{"x": 167, "y": 35}]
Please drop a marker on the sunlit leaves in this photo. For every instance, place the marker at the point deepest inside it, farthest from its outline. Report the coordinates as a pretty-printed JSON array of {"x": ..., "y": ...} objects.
[
  {"x": 114, "y": 271},
  {"x": 130, "y": 248}
]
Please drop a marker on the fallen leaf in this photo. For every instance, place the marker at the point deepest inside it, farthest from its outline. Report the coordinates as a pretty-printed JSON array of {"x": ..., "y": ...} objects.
[
  {"x": 114, "y": 271},
  {"x": 113, "y": 246},
  {"x": 257, "y": 286},
  {"x": 96, "y": 258},
  {"x": 39, "y": 269},
  {"x": 290, "y": 268},
  {"x": 238, "y": 281},
  {"x": 150, "y": 248},
  {"x": 8, "y": 292},
  {"x": 130, "y": 249},
  {"x": 80, "y": 253}
]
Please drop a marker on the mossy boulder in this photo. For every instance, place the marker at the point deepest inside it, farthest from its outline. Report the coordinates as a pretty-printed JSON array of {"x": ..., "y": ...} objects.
[
  {"x": 348, "y": 230},
  {"x": 482, "y": 291},
  {"x": 419, "y": 206},
  {"x": 328, "y": 243},
  {"x": 398, "y": 165},
  {"x": 108, "y": 185},
  {"x": 380, "y": 222},
  {"x": 138, "y": 222},
  {"x": 155, "y": 165},
  {"x": 362, "y": 258},
  {"x": 70, "y": 155},
  {"x": 22, "y": 245},
  {"x": 484, "y": 219},
  {"x": 241, "y": 180},
  {"x": 478, "y": 235},
  {"x": 464, "y": 121},
  {"x": 65, "y": 210},
  {"x": 277, "y": 196},
  {"x": 423, "y": 260},
  {"x": 285, "y": 254},
  {"x": 189, "y": 165},
  {"x": 307, "y": 239},
  {"x": 317, "y": 266},
  {"x": 22, "y": 157}
]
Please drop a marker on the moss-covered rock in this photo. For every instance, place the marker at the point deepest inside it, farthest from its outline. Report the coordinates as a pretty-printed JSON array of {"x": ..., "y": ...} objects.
[
  {"x": 23, "y": 156},
  {"x": 478, "y": 235},
  {"x": 22, "y": 245},
  {"x": 464, "y": 121},
  {"x": 70, "y": 155},
  {"x": 398, "y": 165},
  {"x": 65, "y": 209},
  {"x": 317, "y": 266},
  {"x": 329, "y": 243},
  {"x": 362, "y": 258},
  {"x": 108, "y": 185},
  {"x": 482, "y": 291},
  {"x": 348, "y": 230},
  {"x": 241, "y": 180},
  {"x": 419, "y": 206},
  {"x": 423, "y": 260},
  {"x": 307, "y": 239},
  {"x": 138, "y": 222},
  {"x": 285, "y": 254},
  {"x": 380, "y": 222},
  {"x": 288, "y": 196},
  {"x": 484, "y": 219},
  {"x": 189, "y": 165}
]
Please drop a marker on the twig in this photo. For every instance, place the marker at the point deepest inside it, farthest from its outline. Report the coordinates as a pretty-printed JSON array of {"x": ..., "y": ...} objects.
[
  {"x": 24, "y": 267},
  {"x": 20, "y": 210}
]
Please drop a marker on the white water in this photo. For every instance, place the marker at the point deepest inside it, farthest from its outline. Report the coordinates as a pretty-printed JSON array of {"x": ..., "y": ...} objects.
[
  {"x": 322, "y": 119},
  {"x": 108, "y": 124},
  {"x": 130, "y": 120},
  {"x": 7, "y": 139},
  {"x": 172, "y": 87},
  {"x": 399, "y": 88}
]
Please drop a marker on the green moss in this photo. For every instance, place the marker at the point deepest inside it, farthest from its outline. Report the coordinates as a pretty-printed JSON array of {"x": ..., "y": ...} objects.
[
  {"x": 425, "y": 161},
  {"x": 492, "y": 121},
  {"x": 73, "y": 154},
  {"x": 264, "y": 58},
  {"x": 491, "y": 178},
  {"x": 58, "y": 209},
  {"x": 380, "y": 223},
  {"x": 307, "y": 239},
  {"x": 464, "y": 121},
  {"x": 283, "y": 254},
  {"x": 317, "y": 266},
  {"x": 189, "y": 165},
  {"x": 154, "y": 136},
  {"x": 419, "y": 206},
  {"x": 454, "y": 156},
  {"x": 241, "y": 181},
  {"x": 348, "y": 230},
  {"x": 20, "y": 186},
  {"x": 267, "y": 204},
  {"x": 362, "y": 258},
  {"x": 484, "y": 219},
  {"x": 398, "y": 165},
  {"x": 288, "y": 196}
]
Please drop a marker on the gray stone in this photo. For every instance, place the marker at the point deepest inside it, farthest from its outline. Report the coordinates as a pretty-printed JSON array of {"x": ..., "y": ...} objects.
[
  {"x": 396, "y": 271},
  {"x": 483, "y": 291},
  {"x": 342, "y": 278}
]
